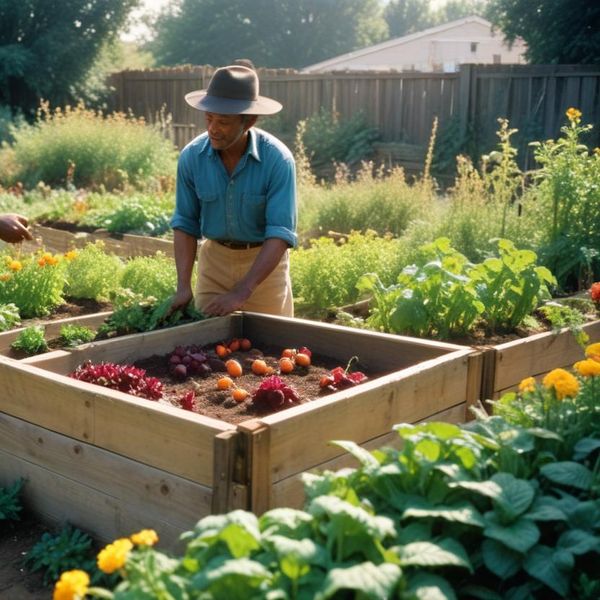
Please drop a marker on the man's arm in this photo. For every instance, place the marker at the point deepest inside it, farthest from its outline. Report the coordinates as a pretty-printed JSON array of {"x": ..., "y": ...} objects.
[
  {"x": 185, "y": 247},
  {"x": 13, "y": 228},
  {"x": 268, "y": 258}
]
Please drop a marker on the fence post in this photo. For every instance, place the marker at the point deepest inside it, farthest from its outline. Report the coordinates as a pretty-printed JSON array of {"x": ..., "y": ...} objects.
[{"x": 465, "y": 81}]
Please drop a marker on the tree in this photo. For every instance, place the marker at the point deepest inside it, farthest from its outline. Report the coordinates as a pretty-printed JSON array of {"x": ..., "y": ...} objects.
[
  {"x": 272, "y": 33},
  {"x": 556, "y": 31},
  {"x": 408, "y": 16},
  {"x": 458, "y": 9},
  {"x": 48, "y": 46}
]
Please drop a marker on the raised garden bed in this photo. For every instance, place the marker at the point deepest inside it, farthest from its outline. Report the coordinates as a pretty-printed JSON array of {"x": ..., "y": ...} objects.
[
  {"x": 125, "y": 245},
  {"x": 112, "y": 463}
]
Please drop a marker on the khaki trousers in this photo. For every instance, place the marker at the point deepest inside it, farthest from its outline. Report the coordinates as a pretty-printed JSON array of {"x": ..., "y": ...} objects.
[{"x": 220, "y": 268}]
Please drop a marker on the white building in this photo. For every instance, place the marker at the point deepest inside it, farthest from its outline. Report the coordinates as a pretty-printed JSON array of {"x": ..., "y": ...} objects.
[{"x": 442, "y": 48}]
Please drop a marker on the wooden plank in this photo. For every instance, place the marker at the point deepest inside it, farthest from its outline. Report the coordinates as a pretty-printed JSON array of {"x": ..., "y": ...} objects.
[
  {"x": 52, "y": 328},
  {"x": 474, "y": 380},
  {"x": 259, "y": 471},
  {"x": 228, "y": 494},
  {"x": 538, "y": 354},
  {"x": 289, "y": 492},
  {"x": 153, "y": 433},
  {"x": 132, "y": 489},
  {"x": 364, "y": 412}
]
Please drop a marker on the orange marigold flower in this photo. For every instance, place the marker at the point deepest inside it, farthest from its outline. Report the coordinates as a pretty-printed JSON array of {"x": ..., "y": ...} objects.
[
  {"x": 52, "y": 260},
  {"x": 5, "y": 277},
  {"x": 595, "y": 291},
  {"x": 71, "y": 254},
  {"x": 42, "y": 262},
  {"x": 145, "y": 537},
  {"x": 562, "y": 382},
  {"x": 72, "y": 585},
  {"x": 114, "y": 556},
  {"x": 587, "y": 367},
  {"x": 527, "y": 385},
  {"x": 15, "y": 265},
  {"x": 573, "y": 115},
  {"x": 593, "y": 351}
]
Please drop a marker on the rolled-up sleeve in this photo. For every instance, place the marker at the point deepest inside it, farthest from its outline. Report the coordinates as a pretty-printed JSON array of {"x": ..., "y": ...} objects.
[
  {"x": 281, "y": 203},
  {"x": 187, "y": 206}
]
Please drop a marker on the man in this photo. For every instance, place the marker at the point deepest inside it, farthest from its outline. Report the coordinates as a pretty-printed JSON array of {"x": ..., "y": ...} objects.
[
  {"x": 236, "y": 189},
  {"x": 13, "y": 228}
]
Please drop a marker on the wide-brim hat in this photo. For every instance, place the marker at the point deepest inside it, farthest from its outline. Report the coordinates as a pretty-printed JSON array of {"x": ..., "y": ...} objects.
[{"x": 233, "y": 90}]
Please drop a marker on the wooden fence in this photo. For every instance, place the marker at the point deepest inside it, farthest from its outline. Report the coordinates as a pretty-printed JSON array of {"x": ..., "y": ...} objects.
[{"x": 401, "y": 105}]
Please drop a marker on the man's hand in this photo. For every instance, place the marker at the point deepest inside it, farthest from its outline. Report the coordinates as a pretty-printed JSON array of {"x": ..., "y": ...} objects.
[
  {"x": 181, "y": 298},
  {"x": 227, "y": 303},
  {"x": 13, "y": 228}
]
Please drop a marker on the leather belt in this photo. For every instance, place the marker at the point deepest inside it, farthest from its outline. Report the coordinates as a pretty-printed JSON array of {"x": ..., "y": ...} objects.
[{"x": 238, "y": 245}]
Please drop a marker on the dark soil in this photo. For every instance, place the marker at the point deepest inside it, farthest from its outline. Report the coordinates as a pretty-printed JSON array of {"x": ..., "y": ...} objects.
[
  {"x": 218, "y": 404},
  {"x": 16, "y": 539}
]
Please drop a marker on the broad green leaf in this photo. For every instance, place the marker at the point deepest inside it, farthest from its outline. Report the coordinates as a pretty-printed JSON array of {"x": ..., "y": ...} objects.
[
  {"x": 520, "y": 535},
  {"x": 427, "y": 586},
  {"x": 479, "y": 592},
  {"x": 429, "y": 449},
  {"x": 447, "y": 552},
  {"x": 366, "y": 579},
  {"x": 516, "y": 496},
  {"x": 305, "y": 550},
  {"x": 467, "y": 457},
  {"x": 568, "y": 473},
  {"x": 500, "y": 560},
  {"x": 234, "y": 579},
  {"x": 363, "y": 456},
  {"x": 584, "y": 447},
  {"x": 545, "y": 508},
  {"x": 578, "y": 541},
  {"x": 463, "y": 512},
  {"x": 540, "y": 565},
  {"x": 443, "y": 431},
  {"x": 544, "y": 434},
  {"x": 485, "y": 488},
  {"x": 286, "y": 521}
]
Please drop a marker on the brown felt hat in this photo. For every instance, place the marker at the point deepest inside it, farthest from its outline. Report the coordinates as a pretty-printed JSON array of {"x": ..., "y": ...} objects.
[{"x": 233, "y": 90}]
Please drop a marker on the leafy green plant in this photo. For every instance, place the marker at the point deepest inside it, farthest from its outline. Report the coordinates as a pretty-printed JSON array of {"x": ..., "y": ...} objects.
[
  {"x": 150, "y": 276},
  {"x": 92, "y": 273},
  {"x": 70, "y": 548},
  {"x": 31, "y": 340},
  {"x": 10, "y": 502},
  {"x": 9, "y": 316},
  {"x": 79, "y": 147},
  {"x": 74, "y": 335},
  {"x": 561, "y": 315},
  {"x": 134, "y": 313},
  {"x": 34, "y": 283},
  {"x": 139, "y": 214}
]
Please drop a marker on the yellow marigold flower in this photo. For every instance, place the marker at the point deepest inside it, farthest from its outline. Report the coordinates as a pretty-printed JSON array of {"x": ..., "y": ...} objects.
[
  {"x": 15, "y": 265},
  {"x": 47, "y": 255},
  {"x": 72, "y": 585},
  {"x": 5, "y": 277},
  {"x": 527, "y": 385},
  {"x": 42, "y": 262},
  {"x": 564, "y": 383},
  {"x": 587, "y": 368},
  {"x": 71, "y": 254},
  {"x": 52, "y": 260},
  {"x": 573, "y": 115},
  {"x": 597, "y": 151},
  {"x": 145, "y": 537},
  {"x": 593, "y": 351},
  {"x": 114, "y": 556}
]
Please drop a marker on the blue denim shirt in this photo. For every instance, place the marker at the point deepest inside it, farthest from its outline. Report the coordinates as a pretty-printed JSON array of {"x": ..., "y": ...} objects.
[{"x": 258, "y": 200}]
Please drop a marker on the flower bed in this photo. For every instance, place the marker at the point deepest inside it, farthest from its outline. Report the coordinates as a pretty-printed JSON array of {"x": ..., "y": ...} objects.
[{"x": 111, "y": 462}]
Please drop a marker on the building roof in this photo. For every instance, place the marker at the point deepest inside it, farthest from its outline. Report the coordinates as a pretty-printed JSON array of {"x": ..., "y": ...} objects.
[{"x": 330, "y": 63}]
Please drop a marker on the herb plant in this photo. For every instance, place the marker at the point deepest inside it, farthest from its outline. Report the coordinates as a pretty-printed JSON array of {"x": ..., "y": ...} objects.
[
  {"x": 140, "y": 214},
  {"x": 9, "y": 316},
  {"x": 10, "y": 503},
  {"x": 31, "y": 340},
  {"x": 74, "y": 335},
  {"x": 150, "y": 276}
]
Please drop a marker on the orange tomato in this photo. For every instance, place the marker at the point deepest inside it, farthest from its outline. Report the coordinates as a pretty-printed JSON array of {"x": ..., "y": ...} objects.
[
  {"x": 302, "y": 359},
  {"x": 288, "y": 353},
  {"x": 234, "y": 345},
  {"x": 245, "y": 344},
  {"x": 234, "y": 369},
  {"x": 224, "y": 383},
  {"x": 222, "y": 350},
  {"x": 239, "y": 394},
  {"x": 286, "y": 365},
  {"x": 259, "y": 367}
]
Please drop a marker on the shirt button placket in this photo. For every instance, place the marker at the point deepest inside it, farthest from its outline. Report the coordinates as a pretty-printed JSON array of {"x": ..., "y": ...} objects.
[{"x": 229, "y": 209}]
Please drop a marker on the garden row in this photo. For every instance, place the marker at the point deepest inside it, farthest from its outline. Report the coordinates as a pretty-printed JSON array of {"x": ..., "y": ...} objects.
[{"x": 113, "y": 462}]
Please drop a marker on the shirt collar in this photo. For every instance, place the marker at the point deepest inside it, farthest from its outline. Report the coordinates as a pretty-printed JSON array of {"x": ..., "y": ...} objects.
[{"x": 251, "y": 149}]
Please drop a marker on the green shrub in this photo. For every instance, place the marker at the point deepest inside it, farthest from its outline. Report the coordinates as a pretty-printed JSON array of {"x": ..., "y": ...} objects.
[
  {"x": 10, "y": 501},
  {"x": 32, "y": 340},
  {"x": 9, "y": 316},
  {"x": 34, "y": 284},
  {"x": 81, "y": 147},
  {"x": 150, "y": 276},
  {"x": 324, "y": 276},
  {"x": 92, "y": 273},
  {"x": 74, "y": 335},
  {"x": 138, "y": 214}
]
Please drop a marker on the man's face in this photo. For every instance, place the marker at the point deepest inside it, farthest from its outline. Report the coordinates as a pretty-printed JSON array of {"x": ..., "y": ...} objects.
[{"x": 224, "y": 131}]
